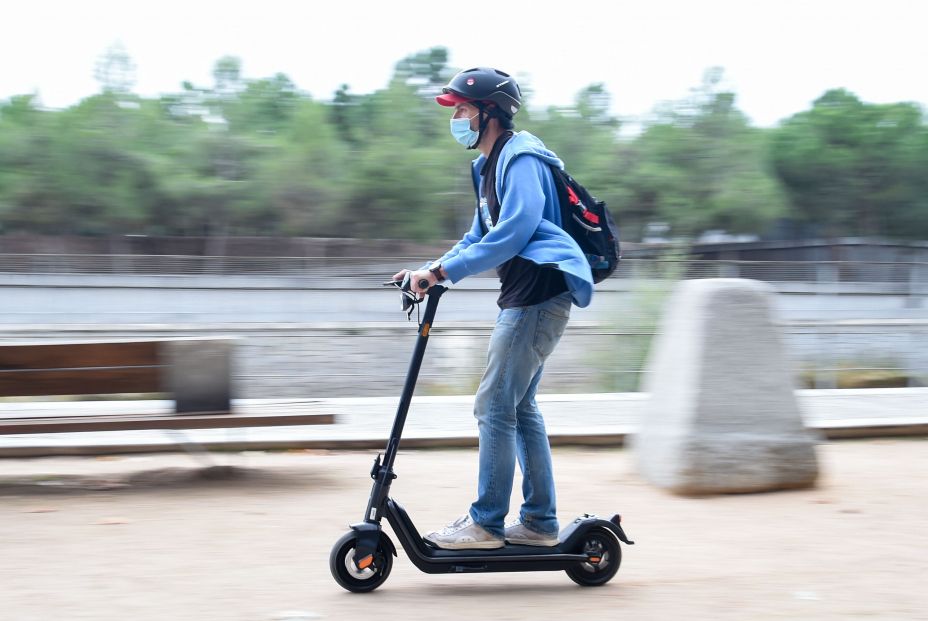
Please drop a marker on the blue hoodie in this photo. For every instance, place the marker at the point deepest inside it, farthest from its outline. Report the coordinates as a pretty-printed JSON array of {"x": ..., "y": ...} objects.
[{"x": 529, "y": 223}]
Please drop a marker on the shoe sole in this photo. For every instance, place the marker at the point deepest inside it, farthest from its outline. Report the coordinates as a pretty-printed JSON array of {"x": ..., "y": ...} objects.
[
  {"x": 470, "y": 545},
  {"x": 534, "y": 542}
]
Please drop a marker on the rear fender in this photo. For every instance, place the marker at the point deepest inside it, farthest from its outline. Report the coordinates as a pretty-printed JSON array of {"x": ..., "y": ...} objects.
[{"x": 574, "y": 532}]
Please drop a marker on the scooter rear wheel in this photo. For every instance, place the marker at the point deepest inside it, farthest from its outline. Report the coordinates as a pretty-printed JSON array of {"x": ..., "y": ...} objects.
[
  {"x": 348, "y": 576},
  {"x": 600, "y": 544}
]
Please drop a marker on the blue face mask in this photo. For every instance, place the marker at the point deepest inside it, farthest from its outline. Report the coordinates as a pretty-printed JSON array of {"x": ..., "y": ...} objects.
[{"x": 460, "y": 129}]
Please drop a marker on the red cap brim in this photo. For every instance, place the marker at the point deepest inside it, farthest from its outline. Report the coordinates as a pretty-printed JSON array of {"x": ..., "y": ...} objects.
[{"x": 451, "y": 99}]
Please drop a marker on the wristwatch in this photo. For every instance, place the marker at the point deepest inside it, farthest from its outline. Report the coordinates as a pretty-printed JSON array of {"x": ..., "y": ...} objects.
[{"x": 436, "y": 271}]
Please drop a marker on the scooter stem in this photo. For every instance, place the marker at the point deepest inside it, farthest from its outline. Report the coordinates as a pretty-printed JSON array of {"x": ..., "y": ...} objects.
[{"x": 412, "y": 375}]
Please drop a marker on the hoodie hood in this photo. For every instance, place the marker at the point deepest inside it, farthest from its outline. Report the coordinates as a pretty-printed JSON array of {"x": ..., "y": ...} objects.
[
  {"x": 550, "y": 244},
  {"x": 521, "y": 143}
]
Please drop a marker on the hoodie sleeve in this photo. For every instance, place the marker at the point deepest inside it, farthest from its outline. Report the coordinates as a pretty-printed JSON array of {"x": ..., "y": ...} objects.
[
  {"x": 522, "y": 202},
  {"x": 471, "y": 237}
]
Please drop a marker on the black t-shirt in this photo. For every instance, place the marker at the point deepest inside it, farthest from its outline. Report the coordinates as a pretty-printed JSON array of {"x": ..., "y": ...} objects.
[{"x": 522, "y": 282}]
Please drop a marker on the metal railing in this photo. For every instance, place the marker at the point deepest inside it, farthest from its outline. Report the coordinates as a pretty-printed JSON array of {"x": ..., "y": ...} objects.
[
  {"x": 842, "y": 341},
  {"x": 906, "y": 273}
]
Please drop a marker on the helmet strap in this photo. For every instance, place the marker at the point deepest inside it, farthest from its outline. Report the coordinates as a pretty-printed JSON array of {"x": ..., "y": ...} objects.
[{"x": 484, "y": 120}]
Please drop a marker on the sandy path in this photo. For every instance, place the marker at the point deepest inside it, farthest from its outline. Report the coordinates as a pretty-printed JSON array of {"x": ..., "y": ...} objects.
[{"x": 171, "y": 545}]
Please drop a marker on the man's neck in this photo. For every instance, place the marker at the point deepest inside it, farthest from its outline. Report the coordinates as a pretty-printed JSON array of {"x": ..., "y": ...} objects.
[{"x": 488, "y": 139}]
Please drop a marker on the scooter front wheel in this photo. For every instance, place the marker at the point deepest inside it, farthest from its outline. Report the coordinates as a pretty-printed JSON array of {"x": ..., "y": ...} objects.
[
  {"x": 605, "y": 555},
  {"x": 347, "y": 574}
]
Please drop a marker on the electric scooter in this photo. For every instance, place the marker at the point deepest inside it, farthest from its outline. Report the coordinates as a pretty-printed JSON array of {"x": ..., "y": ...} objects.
[{"x": 587, "y": 549}]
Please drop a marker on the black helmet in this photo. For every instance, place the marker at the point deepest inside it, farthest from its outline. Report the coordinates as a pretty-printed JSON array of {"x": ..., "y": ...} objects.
[{"x": 483, "y": 84}]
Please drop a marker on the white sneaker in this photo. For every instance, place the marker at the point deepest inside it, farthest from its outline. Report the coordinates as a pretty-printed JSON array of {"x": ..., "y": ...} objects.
[
  {"x": 518, "y": 534},
  {"x": 464, "y": 534}
]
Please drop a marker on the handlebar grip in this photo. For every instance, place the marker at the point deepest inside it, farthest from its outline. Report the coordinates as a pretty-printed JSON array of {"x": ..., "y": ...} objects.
[{"x": 423, "y": 283}]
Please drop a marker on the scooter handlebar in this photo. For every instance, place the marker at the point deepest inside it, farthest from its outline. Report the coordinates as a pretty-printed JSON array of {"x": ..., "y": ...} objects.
[{"x": 402, "y": 284}]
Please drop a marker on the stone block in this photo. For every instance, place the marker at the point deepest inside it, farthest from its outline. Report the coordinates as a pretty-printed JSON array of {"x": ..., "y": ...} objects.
[
  {"x": 198, "y": 373},
  {"x": 722, "y": 416}
]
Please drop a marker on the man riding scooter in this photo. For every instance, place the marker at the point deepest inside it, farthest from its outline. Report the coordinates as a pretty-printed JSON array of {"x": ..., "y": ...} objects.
[{"x": 516, "y": 230}]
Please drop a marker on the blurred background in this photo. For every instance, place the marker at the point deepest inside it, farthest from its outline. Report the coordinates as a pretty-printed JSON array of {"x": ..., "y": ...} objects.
[
  {"x": 256, "y": 170},
  {"x": 184, "y": 171}
]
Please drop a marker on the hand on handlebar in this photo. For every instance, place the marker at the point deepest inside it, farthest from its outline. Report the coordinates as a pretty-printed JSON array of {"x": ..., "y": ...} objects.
[
  {"x": 420, "y": 280},
  {"x": 400, "y": 275}
]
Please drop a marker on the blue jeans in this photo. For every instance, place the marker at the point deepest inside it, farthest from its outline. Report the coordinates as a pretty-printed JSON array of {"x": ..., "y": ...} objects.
[{"x": 509, "y": 423}]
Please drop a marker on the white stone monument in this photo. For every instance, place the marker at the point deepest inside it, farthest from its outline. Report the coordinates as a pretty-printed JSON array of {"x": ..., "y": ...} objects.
[{"x": 722, "y": 416}]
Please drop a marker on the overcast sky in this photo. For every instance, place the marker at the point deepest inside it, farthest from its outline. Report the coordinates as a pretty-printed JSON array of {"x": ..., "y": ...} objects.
[{"x": 778, "y": 55}]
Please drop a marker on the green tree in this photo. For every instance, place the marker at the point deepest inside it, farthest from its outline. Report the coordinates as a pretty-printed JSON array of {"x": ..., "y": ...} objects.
[
  {"x": 401, "y": 176},
  {"x": 264, "y": 106},
  {"x": 301, "y": 184},
  {"x": 344, "y": 114},
  {"x": 260, "y": 157},
  {"x": 115, "y": 70},
  {"x": 428, "y": 70},
  {"x": 853, "y": 168},
  {"x": 78, "y": 173},
  {"x": 227, "y": 77},
  {"x": 699, "y": 165}
]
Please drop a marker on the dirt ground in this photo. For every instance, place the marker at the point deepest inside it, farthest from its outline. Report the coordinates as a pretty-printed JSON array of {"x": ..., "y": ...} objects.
[{"x": 152, "y": 538}]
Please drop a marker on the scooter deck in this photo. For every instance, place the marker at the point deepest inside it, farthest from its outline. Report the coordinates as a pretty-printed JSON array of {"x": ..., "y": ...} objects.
[
  {"x": 431, "y": 559},
  {"x": 507, "y": 550}
]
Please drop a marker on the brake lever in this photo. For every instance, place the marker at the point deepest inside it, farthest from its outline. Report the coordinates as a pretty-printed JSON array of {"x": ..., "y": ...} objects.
[
  {"x": 409, "y": 298},
  {"x": 423, "y": 283}
]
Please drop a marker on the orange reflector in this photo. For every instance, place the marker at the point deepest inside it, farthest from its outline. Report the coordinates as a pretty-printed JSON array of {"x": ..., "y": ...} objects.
[
  {"x": 365, "y": 562},
  {"x": 595, "y": 559}
]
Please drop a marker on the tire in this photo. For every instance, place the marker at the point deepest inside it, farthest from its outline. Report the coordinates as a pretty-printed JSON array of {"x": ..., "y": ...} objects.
[
  {"x": 349, "y": 577},
  {"x": 602, "y": 542}
]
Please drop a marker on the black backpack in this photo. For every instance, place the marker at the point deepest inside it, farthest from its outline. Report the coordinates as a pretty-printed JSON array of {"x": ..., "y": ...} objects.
[{"x": 589, "y": 222}]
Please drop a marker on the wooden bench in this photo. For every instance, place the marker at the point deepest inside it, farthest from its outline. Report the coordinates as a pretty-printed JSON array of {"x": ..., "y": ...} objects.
[{"x": 194, "y": 372}]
